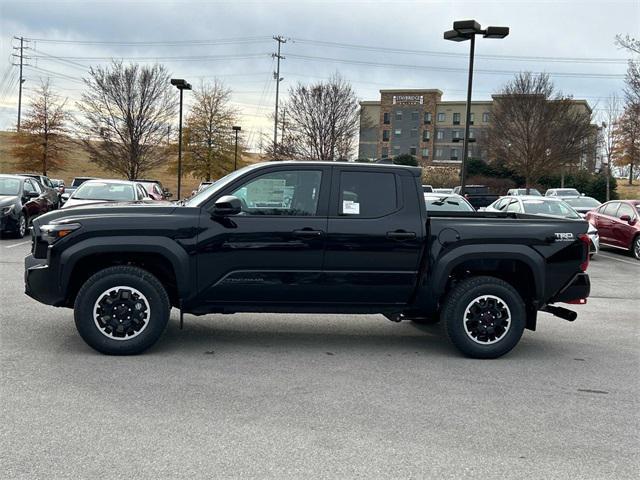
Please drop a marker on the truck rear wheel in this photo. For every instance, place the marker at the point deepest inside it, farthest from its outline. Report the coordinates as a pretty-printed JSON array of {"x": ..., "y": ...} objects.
[
  {"x": 121, "y": 310},
  {"x": 484, "y": 317}
]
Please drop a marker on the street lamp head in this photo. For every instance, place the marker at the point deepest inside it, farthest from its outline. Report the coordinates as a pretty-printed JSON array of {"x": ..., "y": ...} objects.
[
  {"x": 180, "y": 83},
  {"x": 455, "y": 36},
  {"x": 496, "y": 32},
  {"x": 467, "y": 27},
  {"x": 236, "y": 128}
]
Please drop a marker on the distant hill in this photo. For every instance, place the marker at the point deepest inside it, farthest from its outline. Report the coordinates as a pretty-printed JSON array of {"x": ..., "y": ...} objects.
[{"x": 80, "y": 166}]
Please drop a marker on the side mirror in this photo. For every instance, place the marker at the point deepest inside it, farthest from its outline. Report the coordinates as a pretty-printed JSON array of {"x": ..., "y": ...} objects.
[
  {"x": 227, "y": 205},
  {"x": 167, "y": 194},
  {"x": 628, "y": 219}
]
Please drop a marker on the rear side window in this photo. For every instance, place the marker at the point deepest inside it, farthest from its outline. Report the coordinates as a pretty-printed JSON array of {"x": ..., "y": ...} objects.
[
  {"x": 367, "y": 194},
  {"x": 610, "y": 209}
]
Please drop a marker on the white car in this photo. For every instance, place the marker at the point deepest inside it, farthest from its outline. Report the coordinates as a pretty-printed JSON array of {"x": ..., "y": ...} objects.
[
  {"x": 100, "y": 191},
  {"x": 547, "y": 206},
  {"x": 562, "y": 192},
  {"x": 516, "y": 192}
]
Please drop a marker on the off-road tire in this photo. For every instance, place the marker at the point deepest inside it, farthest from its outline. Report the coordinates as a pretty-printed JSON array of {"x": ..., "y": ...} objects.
[
  {"x": 94, "y": 289},
  {"x": 462, "y": 296}
]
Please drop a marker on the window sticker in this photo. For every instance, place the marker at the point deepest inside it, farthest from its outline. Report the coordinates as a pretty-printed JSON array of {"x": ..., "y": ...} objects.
[{"x": 349, "y": 207}]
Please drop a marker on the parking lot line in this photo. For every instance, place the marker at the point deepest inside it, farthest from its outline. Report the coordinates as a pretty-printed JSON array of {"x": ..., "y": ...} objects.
[
  {"x": 620, "y": 259},
  {"x": 18, "y": 244}
]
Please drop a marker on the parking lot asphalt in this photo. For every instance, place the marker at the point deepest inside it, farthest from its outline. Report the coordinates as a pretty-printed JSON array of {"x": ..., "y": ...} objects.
[{"x": 313, "y": 396}]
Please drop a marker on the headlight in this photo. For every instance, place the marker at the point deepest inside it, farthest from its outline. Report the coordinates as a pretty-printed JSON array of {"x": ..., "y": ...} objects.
[
  {"x": 6, "y": 210},
  {"x": 53, "y": 233}
]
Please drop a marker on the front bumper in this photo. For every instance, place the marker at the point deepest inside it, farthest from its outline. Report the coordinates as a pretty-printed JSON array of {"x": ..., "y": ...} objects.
[
  {"x": 41, "y": 283},
  {"x": 594, "y": 246},
  {"x": 577, "y": 288}
]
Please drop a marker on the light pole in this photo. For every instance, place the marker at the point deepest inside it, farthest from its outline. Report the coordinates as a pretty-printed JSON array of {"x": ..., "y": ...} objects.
[
  {"x": 235, "y": 158},
  {"x": 181, "y": 85},
  {"x": 467, "y": 30}
]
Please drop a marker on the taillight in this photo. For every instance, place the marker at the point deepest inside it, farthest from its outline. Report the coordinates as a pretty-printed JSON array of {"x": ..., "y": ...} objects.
[{"x": 587, "y": 245}]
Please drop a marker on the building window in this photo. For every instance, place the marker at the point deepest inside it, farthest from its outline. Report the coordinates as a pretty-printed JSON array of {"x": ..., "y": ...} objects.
[
  {"x": 456, "y": 119},
  {"x": 442, "y": 117},
  {"x": 413, "y": 150},
  {"x": 455, "y": 134},
  {"x": 485, "y": 117},
  {"x": 471, "y": 119},
  {"x": 439, "y": 153},
  {"x": 440, "y": 134},
  {"x": 398, "y": 114},
  {"x": 472, "y": 134},
  {"x": 397, "y": 132},
  {"x": 415, "y": 115},
  {"x": 427, "y": 118},
  {"x": 385, "y": 118},
  {"x": 396, "y": 149},
  {"x": 426, "y": 135},
  {"x": 385, "y": 152},
  {"x": 454, "y": 154},
  {"x": 414, "y": 132},
  {"x": 425, "y": 153},
  {"x": 385, "y": 135}
]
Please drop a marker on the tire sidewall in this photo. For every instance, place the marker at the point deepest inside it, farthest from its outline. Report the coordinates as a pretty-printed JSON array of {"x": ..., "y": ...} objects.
[
  {"x": 454, "y": 315},
  {"x": 634, "y": 248},
  {"x": 91, "y": 334}
]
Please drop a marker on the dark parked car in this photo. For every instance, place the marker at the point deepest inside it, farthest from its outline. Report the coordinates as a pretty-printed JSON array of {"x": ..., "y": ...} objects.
[
  {"x": 21, "y": 200},
  {"x": 477, "y": 195},
  {"x": 618, "y": 223},
  {"x": 309, "y": 237},
  {"x": 49, "y": 190}
]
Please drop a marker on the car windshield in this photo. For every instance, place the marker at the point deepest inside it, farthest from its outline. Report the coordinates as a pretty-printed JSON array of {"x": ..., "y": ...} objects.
[
  {"x": 104, "y": 191},
  {"x": 446, "y": 204},
  {"x": 203, "y": 195},
  {"x": 582, "y": 202},
  {"x": 567, "y": 192},
  {"x": 9, "y": 186},
  {"x": 532, "y": 191},
  {"x": 549, "y": 207}
]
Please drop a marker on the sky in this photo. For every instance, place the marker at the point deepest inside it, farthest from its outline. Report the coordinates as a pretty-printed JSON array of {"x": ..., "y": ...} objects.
[{"x": 372, "y": 44}]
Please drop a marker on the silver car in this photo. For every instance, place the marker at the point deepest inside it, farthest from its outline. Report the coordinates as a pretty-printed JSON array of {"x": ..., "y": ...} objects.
[{"x": 101, "y": 191}]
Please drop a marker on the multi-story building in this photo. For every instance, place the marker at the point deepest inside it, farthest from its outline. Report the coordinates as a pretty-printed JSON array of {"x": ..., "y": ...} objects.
[{"x": 419, "y": 123}]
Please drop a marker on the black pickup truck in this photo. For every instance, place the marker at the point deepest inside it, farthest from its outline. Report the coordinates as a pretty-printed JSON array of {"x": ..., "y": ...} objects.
[{"x": 312, "y": 237}]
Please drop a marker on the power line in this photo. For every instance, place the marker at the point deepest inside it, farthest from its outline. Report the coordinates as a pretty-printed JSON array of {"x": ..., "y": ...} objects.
[
  {"x": 193, "y": 58},
  {"x": 165, "y": 43}
]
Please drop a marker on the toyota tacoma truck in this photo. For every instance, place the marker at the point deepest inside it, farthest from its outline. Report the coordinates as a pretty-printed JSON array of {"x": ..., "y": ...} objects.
[{"x": 307, "y": 237}]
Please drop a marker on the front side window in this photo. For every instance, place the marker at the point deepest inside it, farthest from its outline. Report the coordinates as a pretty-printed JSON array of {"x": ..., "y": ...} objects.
[
  {"x": 289, "y": 192},
  {"x": 367, "y": 194},
  {"x": 28, "y": 187},
  {"x": 36, "y": 186},
  {"x": 514, "y": 207},
  {"x": 625, "y": 210}
]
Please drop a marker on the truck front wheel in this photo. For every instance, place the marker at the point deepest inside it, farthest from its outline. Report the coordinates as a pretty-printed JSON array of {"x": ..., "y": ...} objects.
[
  {"x": 484, "y": 317},
  {"x": 121, "y": 310}
]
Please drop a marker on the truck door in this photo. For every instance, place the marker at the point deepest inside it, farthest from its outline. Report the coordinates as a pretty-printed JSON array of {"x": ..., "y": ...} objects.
[
  {"x": 375, "y": 235},
  {"x": 272, "y": 251}
]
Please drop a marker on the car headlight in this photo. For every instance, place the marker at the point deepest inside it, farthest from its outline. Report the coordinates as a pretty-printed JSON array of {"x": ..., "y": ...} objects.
[
  {"x": 6, "y": 210},
  {"x": 54, "y": 232}
]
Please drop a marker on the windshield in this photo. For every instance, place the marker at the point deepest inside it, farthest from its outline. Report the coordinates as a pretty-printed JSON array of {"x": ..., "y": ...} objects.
[
  {"x": 447, "y": 204},
  {"x": 582, "y": 202},
  {"x": 9, "y": 186},
  {"x": 104, "y": 191},
  {"x": 203, "y": 195},
  {"x": 78, "y": 181},
  {"x": 549, "y": 207},
  {"x": 532, "y": 191},
  {"x": 567, "y": 192}
]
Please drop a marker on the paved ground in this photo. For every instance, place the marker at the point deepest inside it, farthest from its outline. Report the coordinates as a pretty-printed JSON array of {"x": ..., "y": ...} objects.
[{"x": 279, "y": 396}]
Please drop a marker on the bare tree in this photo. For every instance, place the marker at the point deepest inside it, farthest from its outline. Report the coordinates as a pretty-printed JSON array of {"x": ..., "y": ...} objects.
[
  {"x": 127, "y": 109},
  {"x": 627, "y": 132},
  {"x": 609, "y": 117},
  {"x": 208, "y": 136},
  {"x": 630, "y": 43},
  {"x": 323, "y": 119},
  {"x": 43, "y": 142},
  {"x": 535, "y": 130}
]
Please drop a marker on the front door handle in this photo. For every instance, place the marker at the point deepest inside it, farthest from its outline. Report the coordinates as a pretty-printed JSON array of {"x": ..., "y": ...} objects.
[
  {"x": 308, "y": 233},
  {"x": 401, "y": 235}
]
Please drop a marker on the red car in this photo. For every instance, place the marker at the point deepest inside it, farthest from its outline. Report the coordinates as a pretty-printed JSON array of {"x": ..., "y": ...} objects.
[{"x": 618, "y": 223}]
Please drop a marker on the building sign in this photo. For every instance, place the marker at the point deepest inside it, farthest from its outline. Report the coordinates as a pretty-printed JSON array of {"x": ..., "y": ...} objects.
[{"x": 407, "y": 99}]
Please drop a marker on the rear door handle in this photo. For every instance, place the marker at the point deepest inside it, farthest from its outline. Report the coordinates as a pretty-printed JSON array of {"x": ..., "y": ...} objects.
[
  {"x": 401, "y": 235},
  {"x": 308, "y": 233}
]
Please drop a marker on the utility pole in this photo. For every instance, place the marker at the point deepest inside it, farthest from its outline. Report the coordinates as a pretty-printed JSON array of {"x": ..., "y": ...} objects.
[
  {"x": 276, "y": 76},
  {"x": 284, "y": 124},
  {"x": 21, "y": 79}
]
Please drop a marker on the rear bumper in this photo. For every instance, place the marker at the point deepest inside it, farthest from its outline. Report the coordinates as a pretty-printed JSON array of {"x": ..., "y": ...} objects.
[
  {"x": 40, "y": 282},
  {"x": 577, "y": 288}
]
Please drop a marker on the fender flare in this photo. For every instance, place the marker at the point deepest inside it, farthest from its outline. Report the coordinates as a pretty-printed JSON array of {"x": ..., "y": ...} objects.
[
  {"x": 163, "y": 246},
  {"x": 450, "y": 260}
]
